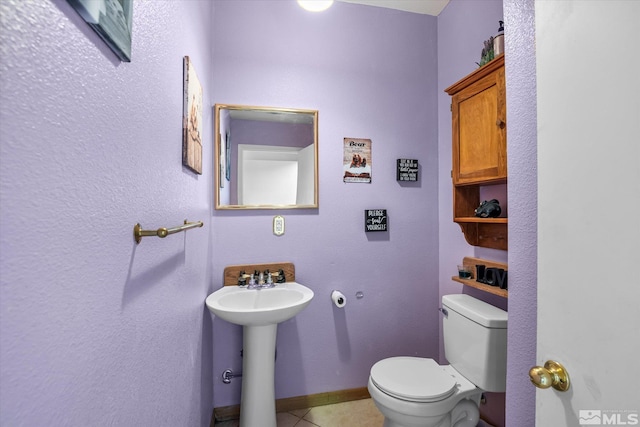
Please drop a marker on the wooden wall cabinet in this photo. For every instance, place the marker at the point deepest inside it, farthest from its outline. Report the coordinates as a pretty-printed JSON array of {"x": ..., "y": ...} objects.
[{"x": 479, "y": 120}]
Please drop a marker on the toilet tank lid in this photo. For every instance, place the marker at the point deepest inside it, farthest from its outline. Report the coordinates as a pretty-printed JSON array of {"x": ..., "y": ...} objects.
[{"x": 480, "y": 312}]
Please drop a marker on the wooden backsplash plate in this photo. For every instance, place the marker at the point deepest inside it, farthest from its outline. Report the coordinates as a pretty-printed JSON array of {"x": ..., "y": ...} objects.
[{"x": 232, "y": 272}]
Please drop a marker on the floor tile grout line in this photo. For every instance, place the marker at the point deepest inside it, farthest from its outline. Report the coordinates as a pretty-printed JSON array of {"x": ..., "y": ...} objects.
[
  {"x": 307, "y": 410},
  {"x": 307, "y": 421}
]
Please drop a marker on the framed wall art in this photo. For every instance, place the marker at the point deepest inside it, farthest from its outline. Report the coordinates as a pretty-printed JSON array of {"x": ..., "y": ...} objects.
[
  {"x": 112, "y": 20},
  {"x": 357, "y": 160},
  {"x": 192, "y": 119}
]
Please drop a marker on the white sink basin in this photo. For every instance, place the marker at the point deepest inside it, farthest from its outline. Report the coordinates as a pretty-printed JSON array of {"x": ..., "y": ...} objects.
[{"x": 255, "y": 307}]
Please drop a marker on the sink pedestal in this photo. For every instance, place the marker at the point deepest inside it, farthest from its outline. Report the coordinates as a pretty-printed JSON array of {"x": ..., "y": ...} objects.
[
  {"x": 258, "y": 402},
  {"x": 259, "y": 311}
]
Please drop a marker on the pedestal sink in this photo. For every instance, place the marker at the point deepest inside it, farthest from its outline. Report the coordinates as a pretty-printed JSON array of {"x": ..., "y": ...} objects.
[{"x": 259, "y": 311}]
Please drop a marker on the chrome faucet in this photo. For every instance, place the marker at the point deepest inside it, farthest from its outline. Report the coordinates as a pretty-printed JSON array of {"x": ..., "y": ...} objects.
[
  {"x": 261, "y": 280},
  {"x": 252, "y": 283}
]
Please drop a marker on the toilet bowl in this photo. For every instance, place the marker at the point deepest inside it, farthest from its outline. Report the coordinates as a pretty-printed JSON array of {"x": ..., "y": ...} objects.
[
  {"x": 418, "y": 392},
  {"x": 412, "y": 391}
]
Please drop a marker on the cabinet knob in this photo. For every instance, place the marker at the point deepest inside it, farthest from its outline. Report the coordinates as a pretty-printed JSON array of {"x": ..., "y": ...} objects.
[{"x": 500, "y": 123}]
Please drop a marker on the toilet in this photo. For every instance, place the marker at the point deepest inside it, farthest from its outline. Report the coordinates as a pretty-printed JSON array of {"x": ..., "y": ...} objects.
[{"x": 418, "y": 392}]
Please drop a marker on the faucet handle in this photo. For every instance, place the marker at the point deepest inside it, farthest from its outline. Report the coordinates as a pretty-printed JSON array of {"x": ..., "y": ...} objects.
[
  {"x": 281, "y": 278},
  {"x": 242, "y": 279}
]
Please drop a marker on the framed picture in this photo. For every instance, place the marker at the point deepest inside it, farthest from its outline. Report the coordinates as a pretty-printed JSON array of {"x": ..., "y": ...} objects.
[
  {"x": 192, "y": 119},
  {"x": 112, "y": 20},
  {"x": 356, "y": 160}
]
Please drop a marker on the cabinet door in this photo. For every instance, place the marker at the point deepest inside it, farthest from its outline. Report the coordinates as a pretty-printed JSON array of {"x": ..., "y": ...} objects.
[{"x": 479, "y": 131}]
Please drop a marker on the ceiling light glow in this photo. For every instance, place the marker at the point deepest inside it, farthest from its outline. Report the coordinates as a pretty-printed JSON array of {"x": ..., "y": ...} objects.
[{"x": 315, "y": 5}]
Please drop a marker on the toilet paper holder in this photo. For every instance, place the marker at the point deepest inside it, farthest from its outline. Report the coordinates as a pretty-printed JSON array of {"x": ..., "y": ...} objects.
[{"x": 338, "y": 298}]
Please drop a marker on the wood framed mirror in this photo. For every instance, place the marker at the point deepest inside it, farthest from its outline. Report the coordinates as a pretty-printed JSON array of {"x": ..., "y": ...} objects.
[{"x": 265, "y": 157}]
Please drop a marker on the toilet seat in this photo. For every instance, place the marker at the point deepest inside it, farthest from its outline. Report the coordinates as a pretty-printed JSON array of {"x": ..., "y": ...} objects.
[{"x": 413, "y": 379}]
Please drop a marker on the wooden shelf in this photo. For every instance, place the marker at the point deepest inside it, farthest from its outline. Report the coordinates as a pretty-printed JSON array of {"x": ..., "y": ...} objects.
[
  {"x": 481, "y": 220},
  {"x": 472, "y": 262},
  {"x": 490, "y": 289},
  {"x": 486, "y": 234}
]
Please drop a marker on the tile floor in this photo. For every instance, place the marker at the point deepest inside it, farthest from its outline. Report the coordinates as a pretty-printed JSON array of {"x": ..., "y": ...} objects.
[{"x": 357, "y": 413}]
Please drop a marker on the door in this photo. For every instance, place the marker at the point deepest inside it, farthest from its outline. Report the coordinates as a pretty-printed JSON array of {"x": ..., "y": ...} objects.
[{"x": 588, "y": 83}]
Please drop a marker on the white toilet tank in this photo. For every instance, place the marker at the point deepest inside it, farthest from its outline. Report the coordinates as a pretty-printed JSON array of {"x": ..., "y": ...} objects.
[{"x": 475, "y": 341}]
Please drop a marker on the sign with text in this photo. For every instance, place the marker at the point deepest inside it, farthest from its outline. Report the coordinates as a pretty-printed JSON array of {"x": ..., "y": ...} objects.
[
  {"x": 407, "y": 170},
  {"x": 357, "y": 160},
  {"x": 375, "y": 220}
]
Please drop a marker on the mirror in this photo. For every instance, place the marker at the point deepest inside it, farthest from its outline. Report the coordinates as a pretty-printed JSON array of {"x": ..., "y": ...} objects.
[{"x": 265, "y": 157}]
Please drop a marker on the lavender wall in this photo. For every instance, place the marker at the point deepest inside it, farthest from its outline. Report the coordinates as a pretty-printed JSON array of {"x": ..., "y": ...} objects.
[
  {"x": 94, "y": 329},
  {"x": 272, "y": 133},
  {"x": 462, "y": 27},
  {"x": 523, "y": 191},
  {"x": 372, "y": 73}
]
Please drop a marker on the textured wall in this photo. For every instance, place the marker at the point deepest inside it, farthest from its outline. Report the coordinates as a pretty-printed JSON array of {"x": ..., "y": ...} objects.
[
  {"x": 523, "y": 198},
  {"x": 95, "y": 330},
  {"x": 371, "y": 73}
]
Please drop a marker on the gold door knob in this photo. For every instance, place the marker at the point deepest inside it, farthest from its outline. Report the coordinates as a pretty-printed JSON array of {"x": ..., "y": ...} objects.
[{"x": 552, "y": 375}]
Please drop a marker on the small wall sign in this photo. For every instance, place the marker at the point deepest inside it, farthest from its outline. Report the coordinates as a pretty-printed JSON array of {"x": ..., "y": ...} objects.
[
  {"x": 407, "y": 170},
  {"x": 375, "y": 220}
]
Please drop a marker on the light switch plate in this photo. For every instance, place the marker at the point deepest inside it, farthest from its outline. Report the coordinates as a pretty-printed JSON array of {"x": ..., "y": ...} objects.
[{"x": 278, "y": 225}]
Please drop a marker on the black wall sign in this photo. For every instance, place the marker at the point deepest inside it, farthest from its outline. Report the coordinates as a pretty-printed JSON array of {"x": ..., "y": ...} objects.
[
  {"x": 407, "y": 170},
  {"x": 375, "y": 220}
]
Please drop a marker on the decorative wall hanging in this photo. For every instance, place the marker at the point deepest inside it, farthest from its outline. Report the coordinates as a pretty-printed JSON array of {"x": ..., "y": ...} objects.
[
  {"x": 407, "y": 170},
  {"x": 112, "y": 20},
  {"x": 375, "y": 220},
  {"x": 192, "y": 119},
  {"x": 357, "y": 160}
]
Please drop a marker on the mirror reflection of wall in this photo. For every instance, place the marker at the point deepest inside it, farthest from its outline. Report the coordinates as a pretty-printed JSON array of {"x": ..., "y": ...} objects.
[
  {"x": 266, "y": 157},
  {"x": 266, "y": 171}
]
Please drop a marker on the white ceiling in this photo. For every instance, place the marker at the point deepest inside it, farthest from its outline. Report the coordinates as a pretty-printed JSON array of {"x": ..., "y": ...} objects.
[{"x": 427, "y": 7}]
